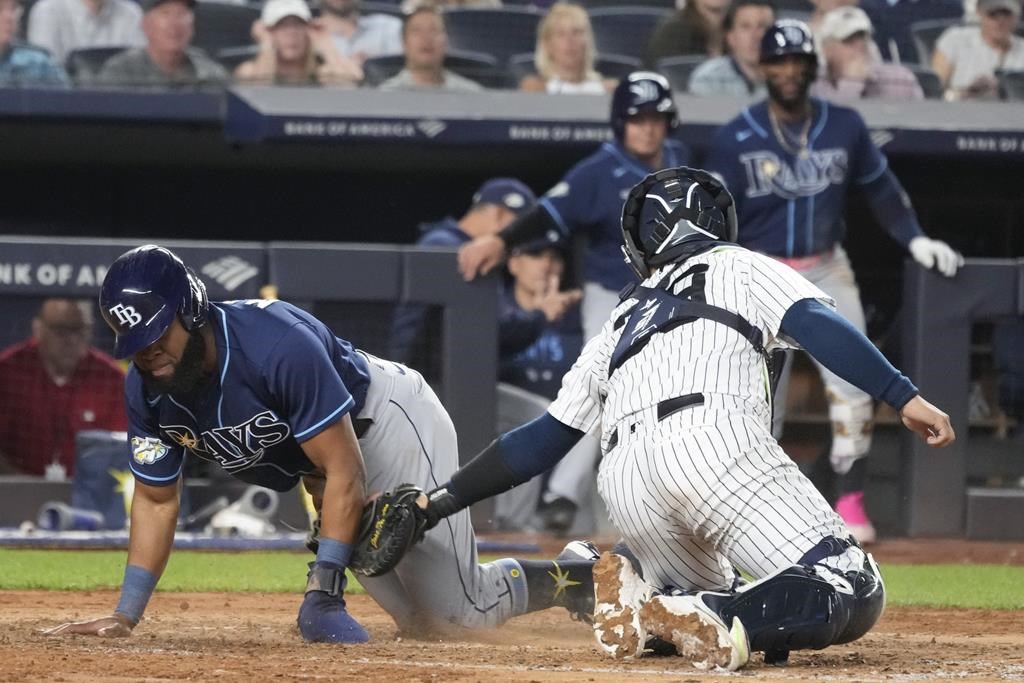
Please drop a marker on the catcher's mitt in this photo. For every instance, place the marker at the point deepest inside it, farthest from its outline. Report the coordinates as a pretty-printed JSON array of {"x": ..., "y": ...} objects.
[{"x": 391, "y": 524}]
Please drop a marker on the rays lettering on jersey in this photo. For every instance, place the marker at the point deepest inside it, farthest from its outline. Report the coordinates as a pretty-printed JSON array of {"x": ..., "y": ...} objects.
[
  {"x": 768, "y": 174},
  {"x": 235, "y": 447}
]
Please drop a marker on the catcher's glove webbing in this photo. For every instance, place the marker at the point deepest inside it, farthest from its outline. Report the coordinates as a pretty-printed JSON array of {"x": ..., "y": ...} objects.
[{"x": 391, "y": 524}]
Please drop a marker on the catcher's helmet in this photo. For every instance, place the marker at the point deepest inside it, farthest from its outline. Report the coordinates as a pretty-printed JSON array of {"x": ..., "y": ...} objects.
[
  {"x": 143, "y": 291},
  {"x": 788, "y": 37},
  {"x": 639, "y": 92},
  {"x": 670, "y": 209}
]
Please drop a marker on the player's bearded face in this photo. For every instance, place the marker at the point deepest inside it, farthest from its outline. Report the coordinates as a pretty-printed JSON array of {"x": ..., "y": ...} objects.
[
  {"x": 168, "y": 370},
  {"x": 788, "y": 80}
]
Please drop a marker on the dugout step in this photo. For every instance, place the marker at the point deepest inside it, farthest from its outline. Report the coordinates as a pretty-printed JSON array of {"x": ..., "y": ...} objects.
[{"x": 990, "y": 509}]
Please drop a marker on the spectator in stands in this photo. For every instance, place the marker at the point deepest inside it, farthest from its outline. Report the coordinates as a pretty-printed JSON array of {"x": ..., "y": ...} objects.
[
  {"x": 168, "y": 58},
  {"x": 968, "y": 58},
  {"x": 853, "y": 65},
  {"x": 739, "y": 72},
  {"x": 360, "y": 37},
  {"x": 495, "y": 205},
  {"x": 22, "y": 64},
  {"x": 696, "y": 29},
  {"x": 425, "y": 43},
  {"x": 295, "y": 52},
  {"x": 893, "y": 19},
  {"x": 61, "y": 26},
  {"x": 565, "y": 55},
  {"x": 53, "y": 386},
  {"x": 823, "y": 7}
]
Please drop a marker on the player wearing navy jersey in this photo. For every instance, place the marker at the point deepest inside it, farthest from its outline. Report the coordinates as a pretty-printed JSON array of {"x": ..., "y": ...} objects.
[
  {"x": 268, "y": 393},
  {"x": 790, "y": 162},
  {"x": 588, "y": 199},
  {"x": 677, "y": 380}
]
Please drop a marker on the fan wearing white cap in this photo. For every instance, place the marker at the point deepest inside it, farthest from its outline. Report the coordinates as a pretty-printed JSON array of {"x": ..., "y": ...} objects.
[
  {"x": 853, "y": 67},
  {"x": 968, "y": 58},
  {"x": 294, "y": 50}
]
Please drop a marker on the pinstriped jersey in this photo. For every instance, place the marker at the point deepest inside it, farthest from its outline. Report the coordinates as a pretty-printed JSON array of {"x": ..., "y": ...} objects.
[{"x": 700, "y": 356}]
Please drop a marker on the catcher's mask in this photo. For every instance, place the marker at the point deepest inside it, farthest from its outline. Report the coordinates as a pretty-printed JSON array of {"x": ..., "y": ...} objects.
[{"x": 669, "y": 210}]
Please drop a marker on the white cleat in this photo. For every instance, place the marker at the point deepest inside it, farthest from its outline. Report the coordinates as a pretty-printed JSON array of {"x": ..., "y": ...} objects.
[
  {"x": 699, "y": 635},
  {"x": 619, "y": 595}
]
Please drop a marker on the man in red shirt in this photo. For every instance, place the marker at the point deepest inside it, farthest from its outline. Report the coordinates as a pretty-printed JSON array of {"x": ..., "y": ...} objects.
[{"x": 53, "y": 386}]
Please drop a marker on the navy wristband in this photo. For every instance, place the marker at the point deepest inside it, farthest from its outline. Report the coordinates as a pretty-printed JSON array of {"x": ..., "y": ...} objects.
[
  {"x": 334, "y": 552},
  {"x": 136, "y": 590}
]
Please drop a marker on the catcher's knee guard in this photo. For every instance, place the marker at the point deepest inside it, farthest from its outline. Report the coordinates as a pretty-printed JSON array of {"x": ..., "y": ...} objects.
[
  {"x": 866, "y": 603},
  {"x": 793, "y": 609}
]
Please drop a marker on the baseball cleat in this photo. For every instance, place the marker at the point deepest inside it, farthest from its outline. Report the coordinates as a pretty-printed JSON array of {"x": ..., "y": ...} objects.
[
  {"x": 850, "y": 507},
  {"x": 698, "y": 634},
  {"x": 580, "y": 606},
  {"x": 619, "y": 594}
]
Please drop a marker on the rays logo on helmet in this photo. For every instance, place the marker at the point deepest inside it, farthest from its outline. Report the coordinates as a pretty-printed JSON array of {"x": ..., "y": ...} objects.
[
  {"x": 645, "y": 91},
  {"x": 514, "y": 200},
  {"x": 147, "y": 450},
  {"x": 126, "y": 315},
  {"x": 793, "y": 35}
]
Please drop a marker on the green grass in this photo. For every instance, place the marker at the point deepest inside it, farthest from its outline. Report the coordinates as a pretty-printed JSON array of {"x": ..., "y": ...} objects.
[{"x": 979, "y": 586}]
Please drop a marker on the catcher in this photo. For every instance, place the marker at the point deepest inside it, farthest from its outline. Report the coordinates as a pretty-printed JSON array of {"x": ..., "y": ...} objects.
[{"x": 267, "y": 392}]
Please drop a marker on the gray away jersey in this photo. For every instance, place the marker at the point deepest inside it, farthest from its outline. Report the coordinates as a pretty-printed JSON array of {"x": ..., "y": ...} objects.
[{"x": 700, "y": 356}]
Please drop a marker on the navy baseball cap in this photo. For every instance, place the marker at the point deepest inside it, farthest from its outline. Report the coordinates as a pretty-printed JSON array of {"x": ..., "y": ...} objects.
[
  {"x": 552, "y": 239},
  {"x": 513, "y": 194}
]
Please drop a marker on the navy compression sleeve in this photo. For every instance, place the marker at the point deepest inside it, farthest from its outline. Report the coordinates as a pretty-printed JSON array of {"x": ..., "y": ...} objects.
[
  {"x": 891, "y": 206},
  {"x": 841, "y": 348},
  {"x": 515, "y": 457}
]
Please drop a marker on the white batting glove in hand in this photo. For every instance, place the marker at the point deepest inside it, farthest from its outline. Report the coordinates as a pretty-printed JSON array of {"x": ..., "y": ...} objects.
[{"x": 935, "y": 254}]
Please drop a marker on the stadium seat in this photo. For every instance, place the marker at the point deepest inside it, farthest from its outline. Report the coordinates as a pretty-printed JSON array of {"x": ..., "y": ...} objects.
[
  {"x": 678, "y": 70},
  {"x": 609, "y": 66},
  {"x": 929, "y": 81},
  {"x": 925, "y": 34},
  {"x": 1011, "y": 85},
  {"x": 221, "y": 25},
  {"x": 83, "y": 65},
  {"x": 231, "y": 57},
  {"x": 627, "y": 4},
  {"x": 784, "y": 6},
  {"x": 625, "y": 30},
  {"x": 482, "y": 68},
  {"x": 498, "y": 32}
]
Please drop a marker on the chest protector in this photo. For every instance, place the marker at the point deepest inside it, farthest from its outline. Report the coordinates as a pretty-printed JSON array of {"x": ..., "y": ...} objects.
[{"x": 659, "y": 310}]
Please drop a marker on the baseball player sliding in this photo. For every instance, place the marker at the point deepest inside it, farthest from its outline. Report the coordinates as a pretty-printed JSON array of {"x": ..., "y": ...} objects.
[
  {"x": 267, "y": 392},
  {"x": 790, "y": 162},
  {"x": 679, "y": 382}
]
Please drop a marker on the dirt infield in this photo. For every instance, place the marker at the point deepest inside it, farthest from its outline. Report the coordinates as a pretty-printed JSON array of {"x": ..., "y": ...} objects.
[{"x": 252, "y": 637}]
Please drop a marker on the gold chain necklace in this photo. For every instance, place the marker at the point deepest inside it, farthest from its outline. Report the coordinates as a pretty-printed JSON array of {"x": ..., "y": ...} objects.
[{"x": 801, "y": 149}]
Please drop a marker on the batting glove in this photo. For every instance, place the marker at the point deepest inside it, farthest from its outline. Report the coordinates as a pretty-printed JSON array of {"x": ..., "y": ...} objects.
[
  {"x": 323, "y": 617},
  {"x": 935, "y": 254}
]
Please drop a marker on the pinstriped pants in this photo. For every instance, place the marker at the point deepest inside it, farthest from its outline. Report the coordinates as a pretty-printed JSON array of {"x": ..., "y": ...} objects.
[{"x": 708, "y": 490}]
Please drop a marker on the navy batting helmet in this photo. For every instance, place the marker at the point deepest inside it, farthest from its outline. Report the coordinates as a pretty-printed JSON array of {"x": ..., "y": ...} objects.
[
  {"x": 639, "y": 92},
  {"x": 670, "y": 209},
  {"x": 143, "y": 291},
  {"x": 788, "y": 37}
]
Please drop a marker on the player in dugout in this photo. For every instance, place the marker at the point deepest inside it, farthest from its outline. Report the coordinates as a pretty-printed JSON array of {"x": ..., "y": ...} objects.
[{"x": 267, "y": 392}]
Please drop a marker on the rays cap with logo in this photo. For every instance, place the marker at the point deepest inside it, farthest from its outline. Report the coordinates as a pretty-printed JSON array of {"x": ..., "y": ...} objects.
[
  {"x": 144, "y": 290},
  {"x": 843, "y": 23},
  {"x": 513, "y": 194},
  {"x": 552, "y": 239},
  {"x": 275, "y": 11},
  {"x": 1011, "y": 6}
]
